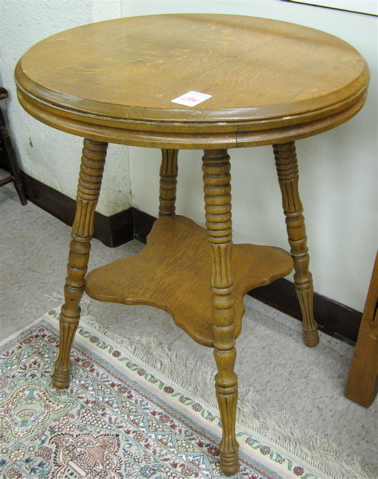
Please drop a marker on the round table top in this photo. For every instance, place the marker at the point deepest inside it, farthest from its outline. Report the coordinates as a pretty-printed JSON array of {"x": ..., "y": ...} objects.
[{"x": 268, "y": 81}]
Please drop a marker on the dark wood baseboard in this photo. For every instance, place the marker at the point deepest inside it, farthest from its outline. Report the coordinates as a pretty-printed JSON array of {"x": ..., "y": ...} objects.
[
  {"x": 334, "y": 319},
  {"x": 142, "y": 224},
  {"x": 111, "y": 230}
]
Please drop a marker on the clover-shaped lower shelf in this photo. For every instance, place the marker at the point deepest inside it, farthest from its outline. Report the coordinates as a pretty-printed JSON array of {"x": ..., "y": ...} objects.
[{"x": 173, "y": 273}]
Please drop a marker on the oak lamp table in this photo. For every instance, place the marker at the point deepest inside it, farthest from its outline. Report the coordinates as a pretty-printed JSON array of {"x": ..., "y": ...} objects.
[{"x": 240, "y": 82}]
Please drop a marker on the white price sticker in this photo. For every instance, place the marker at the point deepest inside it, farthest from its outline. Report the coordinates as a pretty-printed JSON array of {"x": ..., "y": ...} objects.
[{"x": 192, "y": 98}]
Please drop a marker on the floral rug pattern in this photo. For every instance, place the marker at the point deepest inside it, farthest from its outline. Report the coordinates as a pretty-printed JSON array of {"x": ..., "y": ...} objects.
[{"x": 118, "y": 419}]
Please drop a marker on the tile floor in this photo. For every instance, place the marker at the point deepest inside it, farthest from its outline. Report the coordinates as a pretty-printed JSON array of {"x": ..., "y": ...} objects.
[{"x": 307, "y": 383}]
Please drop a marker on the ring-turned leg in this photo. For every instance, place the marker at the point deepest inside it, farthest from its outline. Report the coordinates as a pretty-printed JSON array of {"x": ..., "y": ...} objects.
[
  {"x": 92, "y": 167},
  {"x": 168, "y": 182},
  {"x": 287, "y": 170},
  {"x": 217, "y": 188}
]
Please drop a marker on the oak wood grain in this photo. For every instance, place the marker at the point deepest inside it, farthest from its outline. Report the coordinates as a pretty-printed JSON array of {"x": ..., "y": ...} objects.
[
  {"x": 173, "y": 273},
  {"x": 269, "y": 80}
]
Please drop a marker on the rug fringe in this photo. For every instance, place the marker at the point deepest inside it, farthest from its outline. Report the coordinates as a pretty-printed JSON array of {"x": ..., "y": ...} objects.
[{"x": 198, "y": 379}]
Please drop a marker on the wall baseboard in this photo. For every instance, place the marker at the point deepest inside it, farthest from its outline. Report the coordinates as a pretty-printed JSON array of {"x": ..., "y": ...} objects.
[
  {"x": 334, "y": 319},
  {"x": 111, "y": 230}
]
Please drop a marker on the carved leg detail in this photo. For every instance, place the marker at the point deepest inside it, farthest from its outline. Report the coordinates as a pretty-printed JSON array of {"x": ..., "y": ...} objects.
[
  {"x": 217, "y": 188},
  {"x": 92, "y": 166},
  {"x": 168, "y": 182},
  {"x": 287, "y": 170}
]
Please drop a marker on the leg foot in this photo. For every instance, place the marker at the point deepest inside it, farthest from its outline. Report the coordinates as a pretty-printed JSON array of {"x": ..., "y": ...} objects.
[
  {"x": 61, "y": 375},
  {"x": 229, "y": 463},
  {"x": 226, "y": 386}
]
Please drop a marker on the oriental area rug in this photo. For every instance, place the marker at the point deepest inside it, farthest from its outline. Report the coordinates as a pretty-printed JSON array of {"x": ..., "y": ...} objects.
[{"x": 129, "y": 413}]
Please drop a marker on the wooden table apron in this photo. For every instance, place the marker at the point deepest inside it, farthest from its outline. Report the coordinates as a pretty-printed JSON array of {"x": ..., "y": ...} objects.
[{"x": 270, "y": 82}]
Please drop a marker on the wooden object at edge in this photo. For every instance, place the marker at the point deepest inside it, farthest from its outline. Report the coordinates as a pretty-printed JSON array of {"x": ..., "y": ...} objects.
[{"x": 362, "y": 385}]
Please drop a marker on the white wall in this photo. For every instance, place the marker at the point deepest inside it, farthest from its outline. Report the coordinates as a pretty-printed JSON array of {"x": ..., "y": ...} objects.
[
  {"x": 338, "y": 169},
  {"x": 51, "y": 156}
]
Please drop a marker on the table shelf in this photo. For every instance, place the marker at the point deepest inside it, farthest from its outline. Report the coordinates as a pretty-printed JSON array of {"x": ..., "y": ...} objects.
[{"x": 173, "y": 273}]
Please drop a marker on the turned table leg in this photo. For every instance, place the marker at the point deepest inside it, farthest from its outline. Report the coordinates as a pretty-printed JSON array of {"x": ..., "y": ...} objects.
[
  {"x": 168, "y": 182},
  {"x": 92, "y": 167},
  {"x": 217, "y": 188},
  {"x": 287, "y": 170}
]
